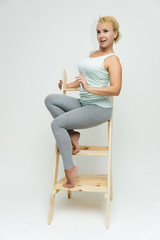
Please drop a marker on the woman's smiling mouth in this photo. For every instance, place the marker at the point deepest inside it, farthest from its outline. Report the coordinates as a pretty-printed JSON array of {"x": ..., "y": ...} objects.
[{"x": 103, "y": 41}]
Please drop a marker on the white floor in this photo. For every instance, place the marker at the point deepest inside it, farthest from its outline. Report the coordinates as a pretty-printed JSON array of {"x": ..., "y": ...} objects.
[{"x": 133, "y": 215}]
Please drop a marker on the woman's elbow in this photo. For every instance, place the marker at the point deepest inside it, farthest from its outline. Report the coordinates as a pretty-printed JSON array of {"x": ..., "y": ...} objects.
[{"x": 118, "y": 92}]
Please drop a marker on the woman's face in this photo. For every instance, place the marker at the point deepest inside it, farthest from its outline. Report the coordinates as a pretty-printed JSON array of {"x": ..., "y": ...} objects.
[{"x": 105, "y": 34}]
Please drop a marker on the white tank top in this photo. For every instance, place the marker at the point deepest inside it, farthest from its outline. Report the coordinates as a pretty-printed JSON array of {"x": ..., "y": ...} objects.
[{"x": 96, "y": 76}]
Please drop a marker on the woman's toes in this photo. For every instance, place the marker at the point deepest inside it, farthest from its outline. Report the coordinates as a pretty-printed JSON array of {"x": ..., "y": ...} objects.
[
  {"x": 76, "y": 150},
  {"x": 73, "y": 150},
  {"x": 68, "y": 185},
  {"x": 65, "y": 184}
]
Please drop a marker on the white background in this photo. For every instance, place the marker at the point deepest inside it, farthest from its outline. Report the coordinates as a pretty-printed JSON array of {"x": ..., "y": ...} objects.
[{"x": 38, "y": 39}]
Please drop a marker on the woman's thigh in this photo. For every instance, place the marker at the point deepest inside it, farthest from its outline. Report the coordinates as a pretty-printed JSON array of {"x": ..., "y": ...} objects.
[
  {"x": 65, "y": 102},
  {"x": 84, "y": 117}
]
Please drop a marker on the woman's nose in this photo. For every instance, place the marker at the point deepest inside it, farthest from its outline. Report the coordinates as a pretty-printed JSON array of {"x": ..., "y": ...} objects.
[{"x": 101, "y": 35}]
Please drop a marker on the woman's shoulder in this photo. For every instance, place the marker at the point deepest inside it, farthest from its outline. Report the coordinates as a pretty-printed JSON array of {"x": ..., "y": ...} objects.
[
  {"x": 92, "y": 51},
  {"x": 112, "y": 61},
  {"x": 112, "y": 58}
]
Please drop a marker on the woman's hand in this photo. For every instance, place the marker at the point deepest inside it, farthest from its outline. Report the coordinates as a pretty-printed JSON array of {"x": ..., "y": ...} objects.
[
  {"x": 83, "y": 80},
  {"x": 60, "y": 84}
]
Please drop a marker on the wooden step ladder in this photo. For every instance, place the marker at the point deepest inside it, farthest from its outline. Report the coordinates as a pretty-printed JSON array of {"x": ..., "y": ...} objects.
[{"x": 85, "y": 182}]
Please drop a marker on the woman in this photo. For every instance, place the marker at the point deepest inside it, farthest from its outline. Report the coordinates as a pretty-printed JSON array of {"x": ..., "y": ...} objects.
[{"x": 94, "y": 106}]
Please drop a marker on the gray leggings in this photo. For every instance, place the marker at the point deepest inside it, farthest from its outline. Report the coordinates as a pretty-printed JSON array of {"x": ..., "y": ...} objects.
[{"x": 68, "y": 113}]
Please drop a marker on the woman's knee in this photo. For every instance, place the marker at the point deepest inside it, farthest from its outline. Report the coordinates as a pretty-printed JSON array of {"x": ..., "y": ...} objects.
[
  {"x": 54, "y": 125},
  {"x": 47, "y": 99},
  {"x": 50, "y": 98}
]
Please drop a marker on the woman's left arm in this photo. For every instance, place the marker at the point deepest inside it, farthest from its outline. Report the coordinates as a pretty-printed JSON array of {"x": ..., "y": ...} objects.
[{"x": 115, "y": 74}]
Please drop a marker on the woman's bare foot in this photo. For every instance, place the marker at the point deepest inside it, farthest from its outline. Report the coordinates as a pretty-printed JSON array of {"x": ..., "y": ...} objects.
[
  {"x": 74, "y": 139},
  {"x": 70, "y": 175}
]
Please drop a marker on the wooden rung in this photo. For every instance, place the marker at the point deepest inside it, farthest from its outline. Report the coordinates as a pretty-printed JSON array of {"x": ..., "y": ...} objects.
[
  {"x": 71, "y": 89},
  {"x": 86, "y": 182},
  {"x": 98, "y": 148},
  {"x": 93, "y": 151}
]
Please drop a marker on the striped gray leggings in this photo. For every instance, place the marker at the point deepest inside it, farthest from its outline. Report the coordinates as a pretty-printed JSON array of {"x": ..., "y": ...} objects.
[{"x": 68, "y": 113}]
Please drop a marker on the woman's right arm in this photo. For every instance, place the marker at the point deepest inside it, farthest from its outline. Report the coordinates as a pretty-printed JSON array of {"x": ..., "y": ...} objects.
[{"x": 73, "y": 84}]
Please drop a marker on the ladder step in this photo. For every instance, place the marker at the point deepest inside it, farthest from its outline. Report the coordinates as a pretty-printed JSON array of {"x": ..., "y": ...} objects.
[
  {"x": 86, "y": 183},
  {"x": 93, "y": 151}
]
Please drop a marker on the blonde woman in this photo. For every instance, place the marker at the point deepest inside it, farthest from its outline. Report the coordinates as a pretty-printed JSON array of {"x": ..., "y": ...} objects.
[{"x": 100, "y": 77}]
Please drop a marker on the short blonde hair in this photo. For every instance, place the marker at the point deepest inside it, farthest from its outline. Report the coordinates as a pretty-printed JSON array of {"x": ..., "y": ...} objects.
[{"x": 114, "y": 23}]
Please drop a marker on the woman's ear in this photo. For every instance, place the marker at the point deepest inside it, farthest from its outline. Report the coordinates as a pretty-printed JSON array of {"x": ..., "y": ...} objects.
[{"x": 115, "y": 34}]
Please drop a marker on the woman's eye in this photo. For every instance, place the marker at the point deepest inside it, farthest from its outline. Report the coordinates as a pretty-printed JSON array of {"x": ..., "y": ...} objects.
[{"x": 104, "y": 31}]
